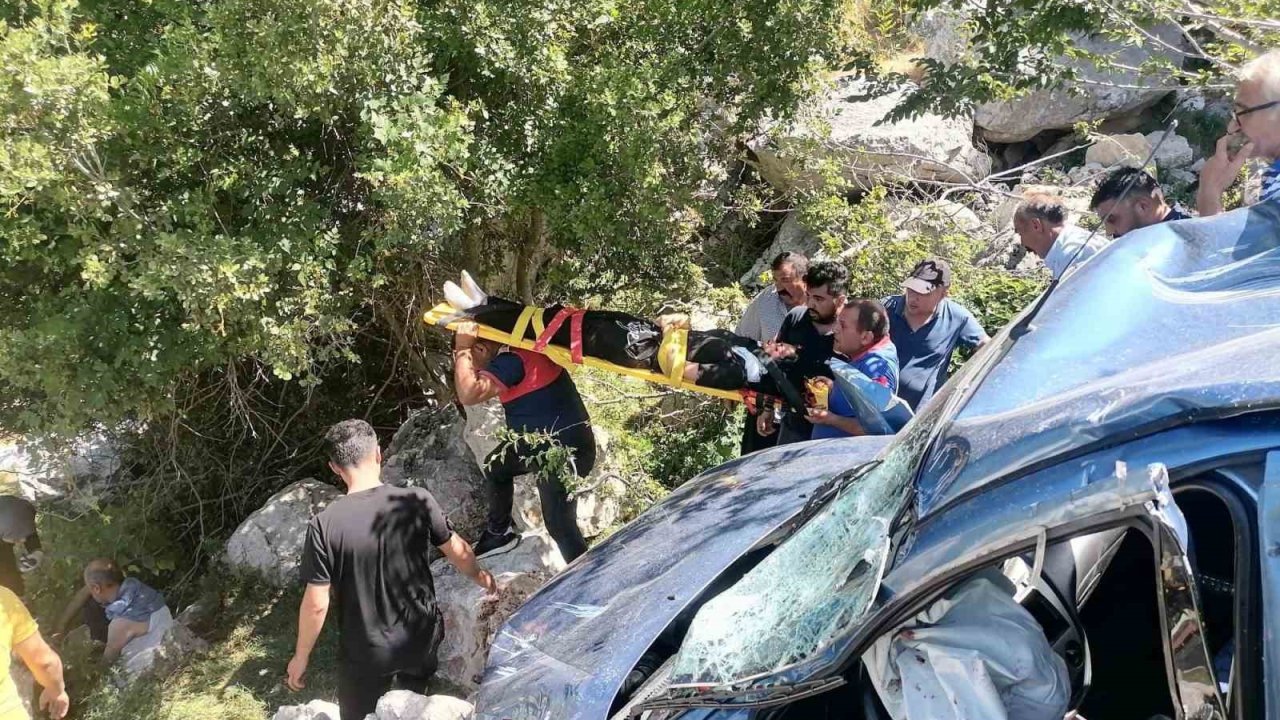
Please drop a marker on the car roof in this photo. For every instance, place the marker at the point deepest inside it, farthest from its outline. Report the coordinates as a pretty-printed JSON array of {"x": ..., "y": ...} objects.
[{"x": 1168, "y": 325}]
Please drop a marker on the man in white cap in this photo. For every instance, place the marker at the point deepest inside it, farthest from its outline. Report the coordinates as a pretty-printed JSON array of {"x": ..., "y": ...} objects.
[
  {"x": 927, "y": 326},
  {"x": 1254, "y": 131}
]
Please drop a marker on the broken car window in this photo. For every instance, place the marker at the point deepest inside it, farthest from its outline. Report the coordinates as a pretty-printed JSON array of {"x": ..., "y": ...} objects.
[{"x": 815, "y": 585}]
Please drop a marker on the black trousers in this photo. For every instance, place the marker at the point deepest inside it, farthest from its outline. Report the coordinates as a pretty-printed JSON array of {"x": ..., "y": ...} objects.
[
  {"x": 360, "y": 686},
  {"x": 752, "y": 440},
  {"x": 559, "y": 512}
]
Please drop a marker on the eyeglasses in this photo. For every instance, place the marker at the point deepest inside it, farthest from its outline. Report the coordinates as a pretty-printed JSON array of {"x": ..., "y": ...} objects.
[{"x": 1239, "y": 112}]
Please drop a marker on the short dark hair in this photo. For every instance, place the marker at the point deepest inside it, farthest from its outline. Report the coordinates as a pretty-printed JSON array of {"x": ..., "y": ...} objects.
[
  {"x": 829, "y": 273},
  {"x": 349, "y": 442},
  {"x": 1123, "y": 181},
  {"x": 798, "y": 262},
  {"x": 1049, "y": 208},
  {"x": 871, "y": 316},
  {"x": 103, "y": 571}
]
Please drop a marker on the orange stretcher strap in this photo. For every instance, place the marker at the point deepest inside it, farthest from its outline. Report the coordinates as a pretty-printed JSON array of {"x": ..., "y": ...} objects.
[{"x": 575, "y": 333}]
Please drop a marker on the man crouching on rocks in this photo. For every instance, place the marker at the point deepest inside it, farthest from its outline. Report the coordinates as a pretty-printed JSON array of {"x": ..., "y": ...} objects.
[{"x": 372, "y": 550}]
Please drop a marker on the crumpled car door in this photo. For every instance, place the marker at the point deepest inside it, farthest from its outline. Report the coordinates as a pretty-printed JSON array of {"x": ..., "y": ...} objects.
[
  {"x": 1187, "y": 657},
  {"x": 1269, "y": 537}
]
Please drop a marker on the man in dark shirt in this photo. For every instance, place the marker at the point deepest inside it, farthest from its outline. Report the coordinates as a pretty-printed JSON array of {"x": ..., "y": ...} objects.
[
  {"x": 540, "y": 400},
  {"x": 371, "y": 550},
  {"x": 1130, "y": 199},
  {"x": 926, "y": 326},
  {"x": 806, "y": 342}
]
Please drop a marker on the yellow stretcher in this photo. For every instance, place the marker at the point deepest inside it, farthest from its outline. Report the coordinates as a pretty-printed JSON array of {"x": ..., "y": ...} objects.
[{"x": 671, "y": 353}]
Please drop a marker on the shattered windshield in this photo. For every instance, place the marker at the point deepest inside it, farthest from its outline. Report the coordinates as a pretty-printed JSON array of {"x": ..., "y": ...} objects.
[{"x": 816, "y": 584}]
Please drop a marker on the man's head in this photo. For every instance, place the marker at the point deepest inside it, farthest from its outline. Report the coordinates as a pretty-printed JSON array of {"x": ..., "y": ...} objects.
[
  {"x": 926, "y": 286},
  {"x": 1038, "y": 221},
  {"x": 788, "y": 278},
  {"x": 351, "y": 447},
  {"x": 1257, "y": 105},
  {"x": 827, "y": 282},
  {"x": 861, "y": 324},
  {"x": 1127, "y": 200},
  {"x": 102, "y": 576}
]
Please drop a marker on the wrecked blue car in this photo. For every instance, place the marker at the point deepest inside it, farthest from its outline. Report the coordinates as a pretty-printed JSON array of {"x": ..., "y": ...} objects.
[{"x": 1086, "y": 519}]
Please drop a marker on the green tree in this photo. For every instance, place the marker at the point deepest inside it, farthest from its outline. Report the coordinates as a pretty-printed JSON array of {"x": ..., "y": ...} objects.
[{"x": 188, "y": 186}]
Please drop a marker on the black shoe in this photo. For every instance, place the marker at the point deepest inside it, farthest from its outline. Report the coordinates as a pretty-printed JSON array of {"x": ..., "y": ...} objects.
[{"x": 492, "y": 543}]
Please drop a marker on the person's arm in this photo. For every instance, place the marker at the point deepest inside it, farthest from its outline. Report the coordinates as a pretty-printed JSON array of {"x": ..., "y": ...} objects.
[
  {"x": 72, "y": 611},
  {"x": 311, "y": 615},
  {"x": 460, "y": 555},
  {"x": 46, "y": 666},
  {"x": 119, "y": 633},
  {"x": 844, "y": 424},
  {"x": 472, "y": 386},
  {"x": 971, "y": 333},
  {"x": 1218, "y": 173}
]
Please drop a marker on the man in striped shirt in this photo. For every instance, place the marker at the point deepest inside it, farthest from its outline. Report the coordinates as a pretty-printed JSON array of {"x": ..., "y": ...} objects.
[
  {"x": 1254, "y": 131},
  {"x": 763, "y": 318}
]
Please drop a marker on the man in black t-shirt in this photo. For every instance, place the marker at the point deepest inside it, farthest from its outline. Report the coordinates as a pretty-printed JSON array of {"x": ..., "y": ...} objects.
[
  {"x": 806, "y": 342},
  {"x": 371, "y": 551}
]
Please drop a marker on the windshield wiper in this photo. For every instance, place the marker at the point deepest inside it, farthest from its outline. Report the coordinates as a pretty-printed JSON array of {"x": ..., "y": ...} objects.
[
  {"x": 749, "y": 697},
  {"x": 829, "y": 489}
]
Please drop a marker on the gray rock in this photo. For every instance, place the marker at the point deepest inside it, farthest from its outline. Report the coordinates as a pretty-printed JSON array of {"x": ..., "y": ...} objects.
[
  {"x": 430, "y": 450},
  {"x": 1114, "y": 150},
  {"x": 944, "y": 33},
  {"x": 1027, "y": 116},
  {"x": 1090, "y": 174},
  {"x": 406, "y": 705},
  {"x": 792, "y": 237},
  {"x": 471, "y": 620},
  {"x": 39, "y": 474},
  {"x": 941, "y": 217},
  {"x": 175, "y": 648},
  {"x": 270, "y": 540},
  {"x": 868, "y": 152},
  {"x": 314, "y": 710},
  {"x": 1174, "y": 152}
]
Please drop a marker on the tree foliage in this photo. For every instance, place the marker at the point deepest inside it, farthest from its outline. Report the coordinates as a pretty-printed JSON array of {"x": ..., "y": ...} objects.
[{"x": 187, "y": 185}]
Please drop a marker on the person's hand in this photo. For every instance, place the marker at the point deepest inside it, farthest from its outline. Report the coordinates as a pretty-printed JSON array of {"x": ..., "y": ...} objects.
[
  {"x": 779, "y": 350},
  {"x": 295, "y": 672},
  {"x": 467, "y": 334},
  {"x": 819, "y": 417},
  {"x": 56, "y": 704},
  {"x": 490, "y": 585},
  {"x": 1219, "y": 172},
  {"x": 764, "y": 423}
]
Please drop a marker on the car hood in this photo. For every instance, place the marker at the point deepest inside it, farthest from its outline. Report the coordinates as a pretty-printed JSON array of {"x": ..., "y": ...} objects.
[{"x": 565, "y": 653}]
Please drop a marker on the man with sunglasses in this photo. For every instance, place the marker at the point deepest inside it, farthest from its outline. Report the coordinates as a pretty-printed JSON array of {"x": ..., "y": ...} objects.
[{"x": 1254, "y": 131}]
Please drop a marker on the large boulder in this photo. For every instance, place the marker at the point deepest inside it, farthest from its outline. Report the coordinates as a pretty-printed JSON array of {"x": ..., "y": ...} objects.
[
  {"x": 471, "y": 619},
  {"x": 270, "y": 540},
  {"x": 314, "y": 710},
  {"x": 1109, "y": 151},
  {"x": 1108, "y": 94},
  {"x": 870, "y": 151},
  {"x": 430, "y": 451},
  {"x": 406, "y": 705}
]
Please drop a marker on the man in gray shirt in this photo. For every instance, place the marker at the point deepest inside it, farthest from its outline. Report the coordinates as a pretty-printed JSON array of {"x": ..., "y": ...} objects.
[
  {"x": 763, "y": 318},
  {"x": 1041, "y": 224}
]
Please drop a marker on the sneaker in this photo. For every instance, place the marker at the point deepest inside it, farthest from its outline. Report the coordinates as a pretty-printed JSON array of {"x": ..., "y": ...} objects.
[{"x": 492, "y": 543}]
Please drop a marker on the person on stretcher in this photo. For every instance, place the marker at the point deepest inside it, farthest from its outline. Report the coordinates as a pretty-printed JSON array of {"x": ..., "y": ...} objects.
[{"x": 713, "y": 358}]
